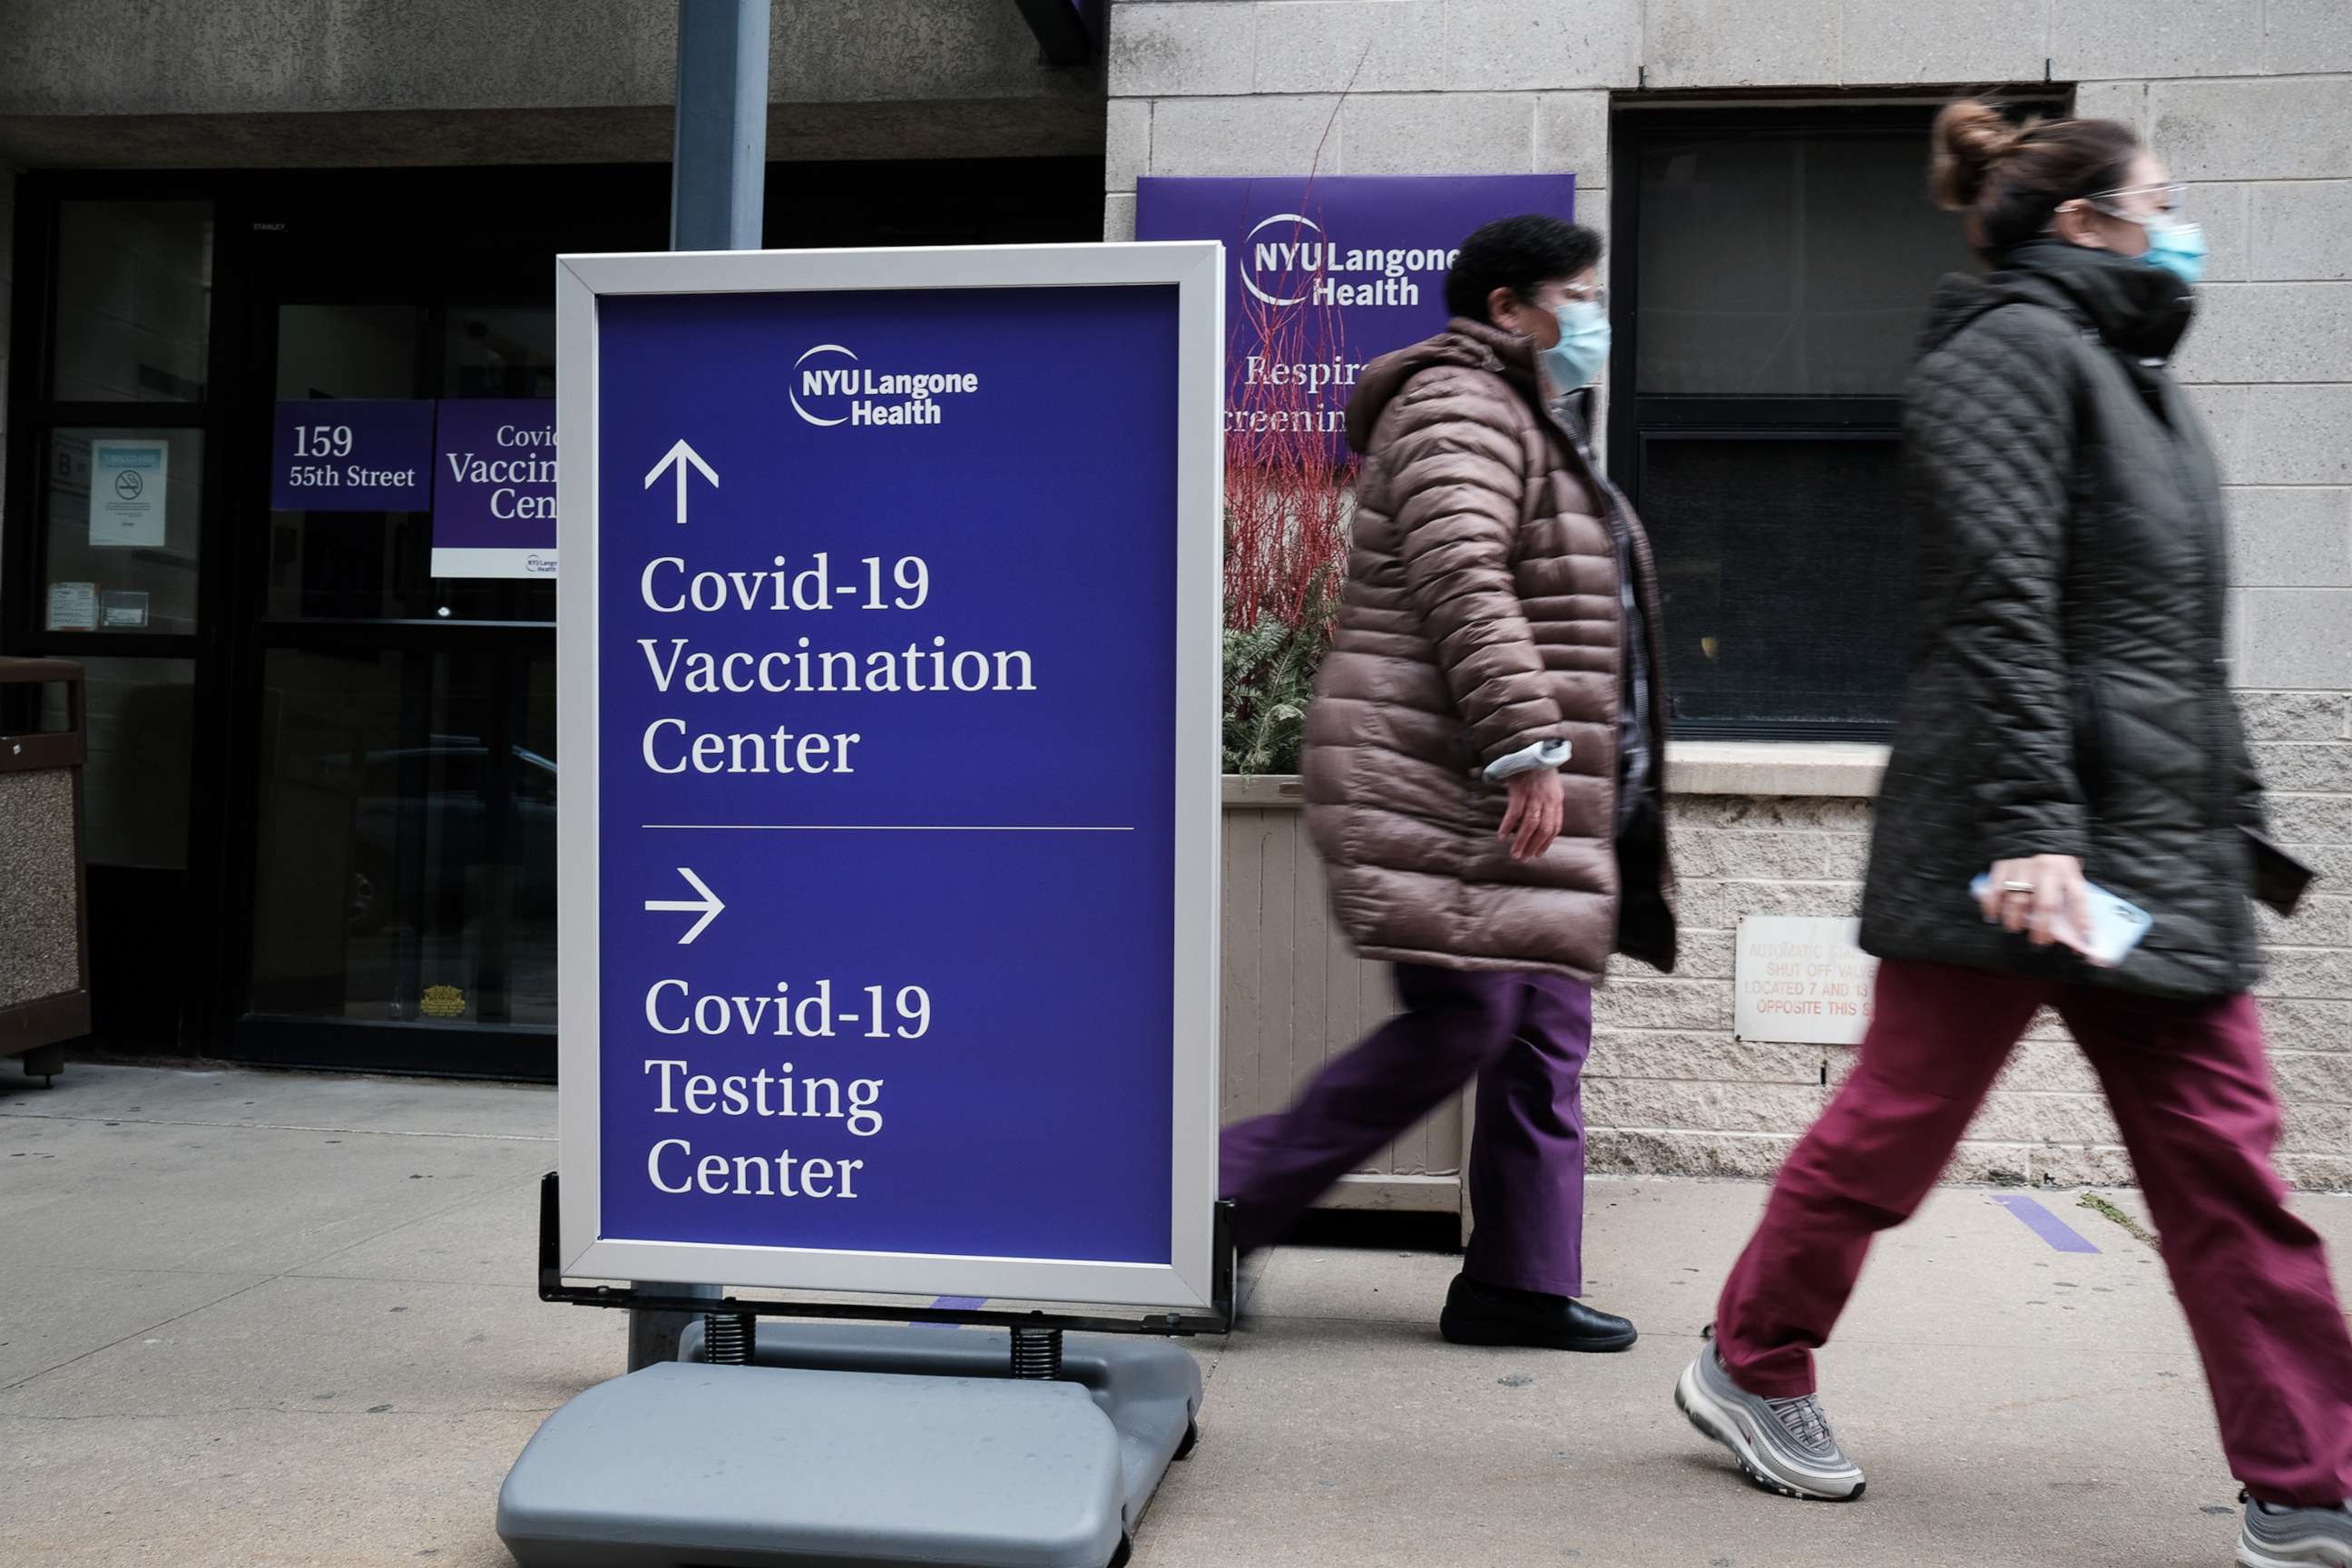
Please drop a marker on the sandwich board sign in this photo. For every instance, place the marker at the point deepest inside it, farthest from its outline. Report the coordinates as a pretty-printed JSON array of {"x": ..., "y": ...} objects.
[{"x": 889, "y": 645}]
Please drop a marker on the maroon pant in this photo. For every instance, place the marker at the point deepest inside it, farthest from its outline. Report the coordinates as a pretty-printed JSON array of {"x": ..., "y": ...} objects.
[{"x": 2191, "y": 1089}]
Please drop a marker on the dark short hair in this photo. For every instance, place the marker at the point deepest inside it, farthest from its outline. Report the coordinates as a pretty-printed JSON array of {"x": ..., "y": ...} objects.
[{"x": 1519, "y": 254}]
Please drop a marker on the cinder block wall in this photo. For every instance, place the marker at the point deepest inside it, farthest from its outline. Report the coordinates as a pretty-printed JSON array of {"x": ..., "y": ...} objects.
[
  {"x": 2250, "y": 100},
  {"x": 1670, "y": 1089},
  {"x": 136, "y": 84}
]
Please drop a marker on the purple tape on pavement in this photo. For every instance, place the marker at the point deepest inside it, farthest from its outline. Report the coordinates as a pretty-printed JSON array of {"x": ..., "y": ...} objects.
[
  {"x": 2047, "y": 1225},
  {"x": 955, "y": 1304}
]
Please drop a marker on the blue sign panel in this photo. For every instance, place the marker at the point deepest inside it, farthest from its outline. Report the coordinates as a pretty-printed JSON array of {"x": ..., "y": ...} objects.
[
  {"x": 886, "y": 668},
  {"x": 1326, "y": 274},
  {"x": 494, "y": 488},
  {"x": 352, "y": 454}
]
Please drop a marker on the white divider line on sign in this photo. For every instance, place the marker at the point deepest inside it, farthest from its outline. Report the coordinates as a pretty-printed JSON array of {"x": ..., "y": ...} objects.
[{"x": 865, "y": 828}]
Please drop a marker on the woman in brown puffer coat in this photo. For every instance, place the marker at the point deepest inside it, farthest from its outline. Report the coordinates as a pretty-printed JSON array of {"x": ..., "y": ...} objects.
[{"x": 1484, "y": 778}]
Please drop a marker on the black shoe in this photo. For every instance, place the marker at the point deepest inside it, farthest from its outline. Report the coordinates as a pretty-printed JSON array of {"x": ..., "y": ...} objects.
[{"x": 1478, "y": 1314}]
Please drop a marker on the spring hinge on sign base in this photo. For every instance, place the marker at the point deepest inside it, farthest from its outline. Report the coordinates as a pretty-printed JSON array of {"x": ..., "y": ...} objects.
[
  {"x": 1219, "y": 1320},
  {"x": 727, "y": 1338},
  {"x": 1038, "y": 1351}
]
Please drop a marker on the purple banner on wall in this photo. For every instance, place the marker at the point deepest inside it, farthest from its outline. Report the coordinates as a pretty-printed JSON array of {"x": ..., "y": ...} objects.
[
  {"x": 349, "y": 454},
  {"x": 1325, "y": 275},
  {"x": 494, "y": 488}
]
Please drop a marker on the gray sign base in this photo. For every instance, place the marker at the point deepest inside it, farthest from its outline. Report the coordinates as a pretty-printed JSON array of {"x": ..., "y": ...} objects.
[{"x": 857, "y": 1447}]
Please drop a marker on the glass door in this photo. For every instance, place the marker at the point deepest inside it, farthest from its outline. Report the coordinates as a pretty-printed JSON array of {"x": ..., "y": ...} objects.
[
  {"x": 400, "y": 768},
  {"x": 405, "y": 765},
  {"x": 118, "y": 404}
]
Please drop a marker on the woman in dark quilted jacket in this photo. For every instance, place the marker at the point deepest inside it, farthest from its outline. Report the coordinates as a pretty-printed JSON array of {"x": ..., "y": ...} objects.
[{"x": 2068, "y": 720}]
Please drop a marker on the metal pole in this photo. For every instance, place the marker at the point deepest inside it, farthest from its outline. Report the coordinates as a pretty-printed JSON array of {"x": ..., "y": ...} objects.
[
  {"x": 718, "y": 186},
  {"x": 653, "y": 1336},
  {"x": 720, "y": 154}
]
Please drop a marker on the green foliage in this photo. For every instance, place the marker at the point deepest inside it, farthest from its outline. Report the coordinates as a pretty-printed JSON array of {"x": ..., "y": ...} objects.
[{"x": 1270, "y": 679}]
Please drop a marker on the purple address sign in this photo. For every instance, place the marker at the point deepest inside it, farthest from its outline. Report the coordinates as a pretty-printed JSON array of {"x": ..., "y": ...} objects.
[
  {"x": 1324, "y": 275},
  {"x": 352, "y": 454}
]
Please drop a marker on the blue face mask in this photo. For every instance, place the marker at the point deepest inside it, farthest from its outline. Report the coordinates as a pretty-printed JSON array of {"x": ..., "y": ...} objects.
[
  {"x": 2176, "y": 246},
  {"x": 1582, "y": 353}
]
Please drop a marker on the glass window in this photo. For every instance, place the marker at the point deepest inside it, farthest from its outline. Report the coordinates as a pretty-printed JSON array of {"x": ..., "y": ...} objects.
[
  {"x": 508, "y": 352},
  {"x": 329, "y": 565},
  {"x": 348, "y": 351},
  {"x": 1788, "y": 596},
  {"x": 120, "y": 530},
  {"x": 134, "y": 301},
  {"x": 141, "y": 728},
  {"x": 1771, "y": 278},
  {"x": 407, "y": 859},
  {"x": 1786, "y": 266}
]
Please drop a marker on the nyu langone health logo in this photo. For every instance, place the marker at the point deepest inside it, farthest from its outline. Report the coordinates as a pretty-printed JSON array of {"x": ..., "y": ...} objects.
[
  {"x": 1287, "y": 260},
  {"x": 830, "y": 386}
]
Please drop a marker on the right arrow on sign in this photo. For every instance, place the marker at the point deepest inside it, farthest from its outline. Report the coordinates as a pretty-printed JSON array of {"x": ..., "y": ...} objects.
[
  {"x": 707, "y": 906},
  {"x": 678, "y": 456}
]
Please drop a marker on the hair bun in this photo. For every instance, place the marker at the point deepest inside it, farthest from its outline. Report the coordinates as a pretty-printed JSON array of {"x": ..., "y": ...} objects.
[{"x": 1970, "y": 137}]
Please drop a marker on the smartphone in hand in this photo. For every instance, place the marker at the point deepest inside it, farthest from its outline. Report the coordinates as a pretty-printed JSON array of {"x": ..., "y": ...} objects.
[{"x": 2116, "y": 924}]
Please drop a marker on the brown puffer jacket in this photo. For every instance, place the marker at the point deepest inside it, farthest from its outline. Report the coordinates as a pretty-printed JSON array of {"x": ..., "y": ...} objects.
[{"x": 1482, "y": 615}]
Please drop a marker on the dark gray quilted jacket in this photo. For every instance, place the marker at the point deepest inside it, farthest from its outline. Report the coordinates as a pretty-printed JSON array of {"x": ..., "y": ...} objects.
[{"x": 2069, "y": 693}]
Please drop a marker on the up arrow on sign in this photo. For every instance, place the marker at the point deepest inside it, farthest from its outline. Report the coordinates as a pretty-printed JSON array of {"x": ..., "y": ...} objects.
[
  {"x": 678, "y": 456},
  {"x": 709, "y": 906}
]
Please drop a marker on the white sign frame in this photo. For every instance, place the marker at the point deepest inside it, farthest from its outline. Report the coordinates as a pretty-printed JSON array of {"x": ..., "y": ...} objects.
[{"x": 1196, "y": 270}]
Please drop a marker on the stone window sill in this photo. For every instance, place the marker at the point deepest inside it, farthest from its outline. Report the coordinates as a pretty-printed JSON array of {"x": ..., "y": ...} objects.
[
  {"x": 1833, "y": 769},
  {"x": 1838, "y": 769}
]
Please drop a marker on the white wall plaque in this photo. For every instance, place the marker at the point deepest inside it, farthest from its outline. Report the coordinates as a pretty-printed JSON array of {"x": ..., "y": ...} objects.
[{"x": 1801, "y": 980}]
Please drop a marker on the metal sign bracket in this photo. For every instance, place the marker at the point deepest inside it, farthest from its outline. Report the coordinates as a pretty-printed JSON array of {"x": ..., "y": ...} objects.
[{"x": 1181, "y": 1325}]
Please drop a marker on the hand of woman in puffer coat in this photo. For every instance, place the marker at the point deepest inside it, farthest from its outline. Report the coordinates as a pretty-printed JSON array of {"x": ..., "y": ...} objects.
[{"x": 1532, "y": 818}]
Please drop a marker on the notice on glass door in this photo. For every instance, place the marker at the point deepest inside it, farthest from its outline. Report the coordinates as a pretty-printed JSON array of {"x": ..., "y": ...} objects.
[
  {"x": 123, "y": 610},
  {"x": 126, "y": 493},
  {"x": 73, "y": 607}
]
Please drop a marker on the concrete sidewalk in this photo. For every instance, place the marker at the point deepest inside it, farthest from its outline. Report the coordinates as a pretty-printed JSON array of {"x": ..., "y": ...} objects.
[{"x": 250, "y": 1318}]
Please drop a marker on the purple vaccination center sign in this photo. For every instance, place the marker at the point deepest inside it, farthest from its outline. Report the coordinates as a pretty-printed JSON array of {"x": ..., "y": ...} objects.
[
  {"x": 494, "y": 488},
  {"x": 485, "y": 467},
  {"x": 881, "y": 868},
  {"x": 1325, "y": 275},
  {"x": 875, "y": 621}
]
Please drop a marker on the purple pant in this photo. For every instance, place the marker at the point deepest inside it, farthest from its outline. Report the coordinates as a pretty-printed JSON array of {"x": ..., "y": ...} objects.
[{"x": 1524, "y": 1038}]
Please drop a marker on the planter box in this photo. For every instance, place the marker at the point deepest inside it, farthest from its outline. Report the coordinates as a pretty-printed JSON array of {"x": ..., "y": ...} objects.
[{"x": 1295, "y": 995}]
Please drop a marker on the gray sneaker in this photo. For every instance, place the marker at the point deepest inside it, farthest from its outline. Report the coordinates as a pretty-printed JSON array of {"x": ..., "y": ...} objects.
[
  {"x": 1785, "y": 1446},
  {"x": 2295, "y": 1537}
]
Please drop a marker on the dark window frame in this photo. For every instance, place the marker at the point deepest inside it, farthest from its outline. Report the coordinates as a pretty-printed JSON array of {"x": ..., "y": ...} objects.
[{"x": 35, "y": 414}]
